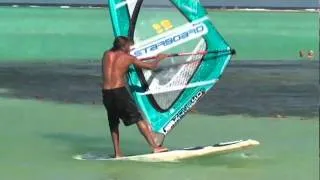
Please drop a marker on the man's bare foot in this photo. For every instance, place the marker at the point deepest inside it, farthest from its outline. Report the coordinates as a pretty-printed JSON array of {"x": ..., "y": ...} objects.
[
  {"x": 160, "y": 149},
  {"x": 118, "y": 155}
]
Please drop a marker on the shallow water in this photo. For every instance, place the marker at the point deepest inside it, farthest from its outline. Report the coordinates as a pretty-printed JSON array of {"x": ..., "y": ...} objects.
[
  {"x": 52, "y": 111},
  {"x": 38, "y": 140}
]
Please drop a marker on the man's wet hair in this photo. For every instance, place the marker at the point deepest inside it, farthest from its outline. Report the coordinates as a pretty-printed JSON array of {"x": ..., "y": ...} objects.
[{"x": 120, "y": 42}]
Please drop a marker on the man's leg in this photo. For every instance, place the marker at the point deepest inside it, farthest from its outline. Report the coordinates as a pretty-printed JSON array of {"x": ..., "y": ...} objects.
[
  {"x": 116, "y": 140},
  {"x": 114, "y": 130},
  {"x": 131, "y": 115},
  {"x": 146, "y": 131},
  {"x": 158, "y": 139}
]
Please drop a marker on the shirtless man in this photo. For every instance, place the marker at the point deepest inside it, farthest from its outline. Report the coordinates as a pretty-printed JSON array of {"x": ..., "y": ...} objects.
[{"x": 116, "y": 98}]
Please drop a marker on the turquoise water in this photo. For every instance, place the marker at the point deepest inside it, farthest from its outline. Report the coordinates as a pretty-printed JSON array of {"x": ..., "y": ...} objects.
[
  {"x": 38, "y": 140},
  {"x": 40, "y": 129},
  {"x": 43, "y": 34}
]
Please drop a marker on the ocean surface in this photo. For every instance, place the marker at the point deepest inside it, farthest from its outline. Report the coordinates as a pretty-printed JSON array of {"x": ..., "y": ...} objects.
[
  {"x": 72, "y": 34},
  {"x": 52, "y": 111},
  {"x": 50, "y": 102}
]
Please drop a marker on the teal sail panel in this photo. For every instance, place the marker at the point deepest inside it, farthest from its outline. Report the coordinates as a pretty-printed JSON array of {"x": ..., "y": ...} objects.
[{"x": 166, "y": 94}]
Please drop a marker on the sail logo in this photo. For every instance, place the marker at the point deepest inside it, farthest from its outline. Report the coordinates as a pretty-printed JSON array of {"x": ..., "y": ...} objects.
[
  {"x": 171, "y": 40},
  {"x": 164, "y": 25},
  {"x": 183, "y": 111}
]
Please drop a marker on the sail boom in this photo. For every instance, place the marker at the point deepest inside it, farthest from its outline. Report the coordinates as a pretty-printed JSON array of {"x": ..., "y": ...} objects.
[{"x": 176, "y": 88}]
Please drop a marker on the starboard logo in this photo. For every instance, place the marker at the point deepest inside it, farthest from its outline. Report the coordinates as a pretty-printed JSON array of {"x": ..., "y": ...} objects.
[
  {"x": 170, "y": 41},
  {"x": 183, "y": 111}
]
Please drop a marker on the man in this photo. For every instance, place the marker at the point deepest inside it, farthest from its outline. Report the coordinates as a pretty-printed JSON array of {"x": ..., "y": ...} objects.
[{"x": 116, "y": 98}]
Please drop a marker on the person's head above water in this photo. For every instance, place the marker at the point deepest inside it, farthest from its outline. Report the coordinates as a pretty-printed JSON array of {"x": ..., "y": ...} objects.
[{"x": 122, "y": 43}]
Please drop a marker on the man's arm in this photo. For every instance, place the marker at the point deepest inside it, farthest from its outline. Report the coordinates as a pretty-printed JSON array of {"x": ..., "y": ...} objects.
[{"x": 148, "y": 65}]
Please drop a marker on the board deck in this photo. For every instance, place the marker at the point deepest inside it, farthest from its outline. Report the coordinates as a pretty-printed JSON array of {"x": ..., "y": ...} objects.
[{"x": 178, "y": 154}]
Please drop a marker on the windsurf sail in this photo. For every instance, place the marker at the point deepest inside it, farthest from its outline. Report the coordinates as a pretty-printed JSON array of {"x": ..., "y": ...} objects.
[{"x": 198, "y": 56}]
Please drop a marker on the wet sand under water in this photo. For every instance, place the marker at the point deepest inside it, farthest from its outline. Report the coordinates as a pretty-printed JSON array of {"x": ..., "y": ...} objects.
[{"x": 255, "y": 88}]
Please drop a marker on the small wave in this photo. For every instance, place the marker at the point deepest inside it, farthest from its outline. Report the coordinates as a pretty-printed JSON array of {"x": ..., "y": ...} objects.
[
  {"x": 312, "y": 10},
  {"x": 64, "y": 7},
  {"x": 249, "y": 155},
  {"x": 34, "y": 6}
]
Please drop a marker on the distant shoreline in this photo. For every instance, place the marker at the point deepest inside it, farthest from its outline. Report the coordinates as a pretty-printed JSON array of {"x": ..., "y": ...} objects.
[{"x": 236, "y": 8}]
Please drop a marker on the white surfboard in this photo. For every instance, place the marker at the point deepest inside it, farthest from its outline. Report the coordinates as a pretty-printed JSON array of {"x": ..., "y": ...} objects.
[{"x": 178, "y": 154}]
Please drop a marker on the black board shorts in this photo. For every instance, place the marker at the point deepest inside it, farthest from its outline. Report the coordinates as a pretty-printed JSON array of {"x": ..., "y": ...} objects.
[{"x": 119, "y": 104}]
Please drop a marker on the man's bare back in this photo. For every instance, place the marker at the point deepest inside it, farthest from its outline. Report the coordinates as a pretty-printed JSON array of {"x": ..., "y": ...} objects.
[{"x": 115, "y": 66}]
